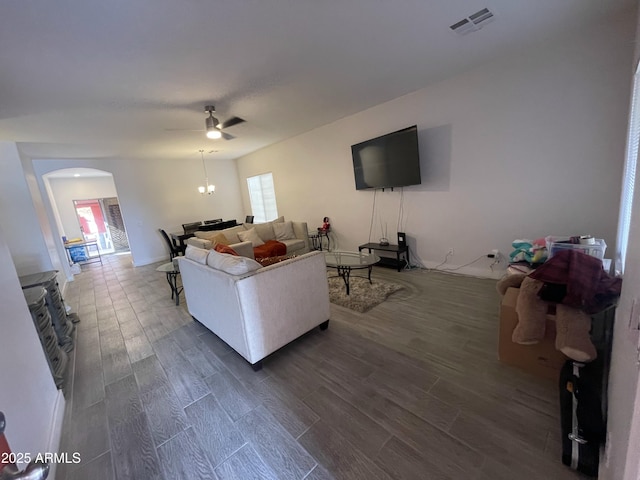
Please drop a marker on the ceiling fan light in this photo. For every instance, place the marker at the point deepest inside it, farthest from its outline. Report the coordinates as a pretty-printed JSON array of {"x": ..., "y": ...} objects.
[{"x": 214, "y": 133}]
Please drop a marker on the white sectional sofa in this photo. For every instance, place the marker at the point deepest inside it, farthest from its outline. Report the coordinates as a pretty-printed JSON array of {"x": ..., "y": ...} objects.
[
  {"x": 294, "y": 235},
  {"x": 255, "y": 310}
]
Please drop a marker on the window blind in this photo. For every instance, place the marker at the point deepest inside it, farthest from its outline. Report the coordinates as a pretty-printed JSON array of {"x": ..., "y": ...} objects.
[
  {"x": 262, "y": 195},
  {"x": 629, "y": 175}
]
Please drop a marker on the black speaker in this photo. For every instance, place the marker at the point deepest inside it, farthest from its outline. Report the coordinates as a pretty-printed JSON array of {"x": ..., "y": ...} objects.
[{"x": 402, "y": 239}]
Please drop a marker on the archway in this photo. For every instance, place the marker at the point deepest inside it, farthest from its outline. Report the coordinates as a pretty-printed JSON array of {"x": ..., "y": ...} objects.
[{"x": 85, "y": 206}]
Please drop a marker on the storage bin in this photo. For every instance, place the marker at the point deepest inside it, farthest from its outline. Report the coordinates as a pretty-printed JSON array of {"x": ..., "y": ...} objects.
[
  {"x": 557, "y": 244},
  {"x": 78, "y": 254}
]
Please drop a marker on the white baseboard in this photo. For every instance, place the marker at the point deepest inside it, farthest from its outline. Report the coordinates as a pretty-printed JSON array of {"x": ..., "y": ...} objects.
[
  {"x": 472, "y": 271},
  {"x": 55, "y": 431},
  {"x": 148, "y": 261}
]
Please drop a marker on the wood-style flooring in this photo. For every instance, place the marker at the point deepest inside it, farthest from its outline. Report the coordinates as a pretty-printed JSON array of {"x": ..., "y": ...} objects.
[{"x": 410, "y": 390}]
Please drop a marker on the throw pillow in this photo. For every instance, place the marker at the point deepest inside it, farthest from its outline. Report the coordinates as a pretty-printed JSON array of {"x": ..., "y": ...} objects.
[
  {"x": 251, "y": 236},
  {"x": 205, "y": 235},
  {"x": 284, "y": 231},
  {"x": 221, "y": 248},
  {"x": 264, "y": 231},
  {"x": 232, "y": 233},
  {"x": 230, "y": 264},
  {"x": 196, "y": 254},
  {"x": 220, "y": 239},
  {"x": 213, "y": 237},
  {"x": 279, "y": 219}
]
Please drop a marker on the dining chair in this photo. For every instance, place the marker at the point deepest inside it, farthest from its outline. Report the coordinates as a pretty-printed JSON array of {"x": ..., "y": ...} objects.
[
  {"x": 191, "y": 227},
  {"x": 209, "y": 222},
  {"x": 248, "y": 219},
  {"x": 173, "y": 250}
]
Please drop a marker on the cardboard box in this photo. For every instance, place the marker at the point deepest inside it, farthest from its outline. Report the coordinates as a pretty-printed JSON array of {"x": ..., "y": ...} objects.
[{"x": 541, "y": 359}]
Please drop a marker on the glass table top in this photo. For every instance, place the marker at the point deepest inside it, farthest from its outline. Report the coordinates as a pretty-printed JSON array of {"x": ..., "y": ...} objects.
[
  {"x": 350, "y": 259},
  {"x": 170, "y": 267}
]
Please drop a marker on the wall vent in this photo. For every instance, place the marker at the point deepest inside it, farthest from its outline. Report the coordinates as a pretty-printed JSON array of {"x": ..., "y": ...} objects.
[{"x": 474, "y": 22}]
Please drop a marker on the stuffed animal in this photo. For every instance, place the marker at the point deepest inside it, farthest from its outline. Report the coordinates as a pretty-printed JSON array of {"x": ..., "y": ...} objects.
[
  {"x": 531, "y": 313},
  {"x": 572, "y": 324},
  {"x": 509, "y": 281},
  {"x": 572, "y": 334}
]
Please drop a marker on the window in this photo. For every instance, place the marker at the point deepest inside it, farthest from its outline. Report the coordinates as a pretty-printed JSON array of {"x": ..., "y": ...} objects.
[
  {"x": 629, "y": 175},
  {"x": 263, "y": 198}
]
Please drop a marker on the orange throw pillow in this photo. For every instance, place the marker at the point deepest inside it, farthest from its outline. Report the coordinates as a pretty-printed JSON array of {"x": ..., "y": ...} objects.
[{"x": 225, "y": 249}]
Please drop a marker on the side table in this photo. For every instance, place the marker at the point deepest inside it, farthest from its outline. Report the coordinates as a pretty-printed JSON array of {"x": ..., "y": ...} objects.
[
  {"x": 316, "y": 239},
  {"x": 397, "y": 249},
  {"x": 172, "y": 271}
]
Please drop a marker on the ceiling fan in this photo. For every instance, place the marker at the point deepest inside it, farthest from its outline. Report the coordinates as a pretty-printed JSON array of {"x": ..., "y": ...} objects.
[{"x": 213, "y": 127}]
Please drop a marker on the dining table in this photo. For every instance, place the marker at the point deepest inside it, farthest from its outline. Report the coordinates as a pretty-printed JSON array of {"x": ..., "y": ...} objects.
[{"x": 179, "y": 239}]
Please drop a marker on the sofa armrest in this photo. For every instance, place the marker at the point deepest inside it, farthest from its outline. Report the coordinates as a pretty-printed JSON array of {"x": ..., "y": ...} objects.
[
  {"x": 199, "y": 242},
  {"x": 302, "y": 232},
  {"x": 244, "y": 249},
  {"x": 282, "y": 301}
]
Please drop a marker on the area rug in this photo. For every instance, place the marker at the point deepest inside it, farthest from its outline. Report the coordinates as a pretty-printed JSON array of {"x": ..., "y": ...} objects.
[{"x": 363, "y": 296}]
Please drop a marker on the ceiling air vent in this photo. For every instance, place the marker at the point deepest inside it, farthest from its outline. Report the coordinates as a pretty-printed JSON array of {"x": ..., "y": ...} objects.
[{"x": 473, "y": 22}]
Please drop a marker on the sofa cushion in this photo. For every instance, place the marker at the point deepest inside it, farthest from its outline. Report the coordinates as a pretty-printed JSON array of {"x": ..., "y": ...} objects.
[
  {"x": 252, "y": 236},
  {"x": 231, "y": 264},
  {"x": 221, "y": 248},
  {"x": 283, "y": 231},
  {"x": 196, "y": 254},
  {"x": 294, "y": 244},
  {"x": 232, "y": 233},
  {"x": 265, "y": 231}
]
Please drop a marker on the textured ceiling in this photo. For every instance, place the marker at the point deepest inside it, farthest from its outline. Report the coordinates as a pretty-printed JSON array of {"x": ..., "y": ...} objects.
[{"x": 86, "y": 79}]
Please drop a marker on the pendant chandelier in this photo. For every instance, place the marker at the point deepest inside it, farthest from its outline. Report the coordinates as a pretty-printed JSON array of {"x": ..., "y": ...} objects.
[{"x": 207, "y": 187}]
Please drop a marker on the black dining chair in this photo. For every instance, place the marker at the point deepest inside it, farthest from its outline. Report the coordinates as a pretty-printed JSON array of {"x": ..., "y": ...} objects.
[
  {"x": 173, "y": 250},
  {"x": 209, "y": 222},
  {"x": 248, "y": 219},
  {"x": 191, "y": 227}
]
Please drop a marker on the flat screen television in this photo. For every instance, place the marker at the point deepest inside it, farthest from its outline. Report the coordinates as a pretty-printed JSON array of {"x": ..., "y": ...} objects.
[{"x": 391, "y": 160}]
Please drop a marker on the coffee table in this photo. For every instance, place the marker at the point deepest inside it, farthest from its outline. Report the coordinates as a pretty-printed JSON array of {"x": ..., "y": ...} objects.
[{"x": 344, "y": 262}]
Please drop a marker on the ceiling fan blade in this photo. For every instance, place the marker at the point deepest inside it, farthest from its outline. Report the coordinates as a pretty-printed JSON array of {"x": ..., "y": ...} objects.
[
  {"x": 231, "y": 122},
  {"x": 226, "y": 136},
  {"x": 184, "y": 130}
]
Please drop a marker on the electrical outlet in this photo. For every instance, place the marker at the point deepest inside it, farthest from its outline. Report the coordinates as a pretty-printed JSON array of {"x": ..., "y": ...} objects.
[
  {"x": 451, "y": 251},
  {"x": 495, "y": 254}
]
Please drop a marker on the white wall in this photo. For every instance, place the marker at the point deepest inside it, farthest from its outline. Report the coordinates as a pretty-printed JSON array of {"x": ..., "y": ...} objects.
[
  {"x": 157, "y": 194},
  {"x": 18, "y": 216},
  {"x": 623, "y": 428},
  {"x": 66, "y": 190},
  {"x": 28, "y": 395},
  {"x": 526, "y": 146}
]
